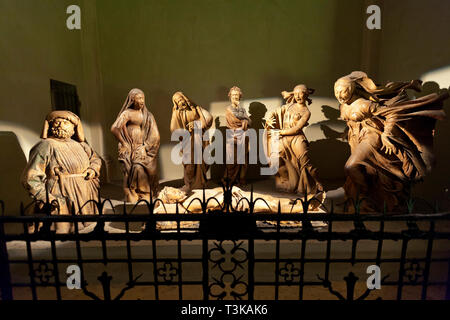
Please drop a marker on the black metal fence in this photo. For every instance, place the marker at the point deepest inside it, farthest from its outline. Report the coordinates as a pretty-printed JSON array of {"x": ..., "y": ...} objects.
[{"x": 227, "y": 254}]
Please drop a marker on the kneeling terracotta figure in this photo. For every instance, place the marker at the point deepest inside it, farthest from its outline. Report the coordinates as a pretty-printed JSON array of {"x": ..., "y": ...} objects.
[{"x": 63, "y": 166}]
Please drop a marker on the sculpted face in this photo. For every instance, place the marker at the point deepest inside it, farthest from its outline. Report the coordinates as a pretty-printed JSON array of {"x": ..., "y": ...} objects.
[
  {"x": 180, "y": 101},
  {"x": 62, "y": 128},
  {"x": 300, "y": 95},
  {"x": 343, "y": 92},
  {"x": 235, "y": 97},
  {"x": 139, "y": 101}
]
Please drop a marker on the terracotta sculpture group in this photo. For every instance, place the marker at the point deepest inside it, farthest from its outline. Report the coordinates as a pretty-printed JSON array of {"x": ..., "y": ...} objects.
[{"x": 390, "y": 137}]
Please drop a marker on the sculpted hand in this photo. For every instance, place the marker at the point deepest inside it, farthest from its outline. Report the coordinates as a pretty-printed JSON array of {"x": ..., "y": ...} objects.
[
  {"x": 388, "y": 147},
  {"x": 90, "y": 174},
  {"x": 270, "y": 121},
  {"x": 190, "y": 126}
]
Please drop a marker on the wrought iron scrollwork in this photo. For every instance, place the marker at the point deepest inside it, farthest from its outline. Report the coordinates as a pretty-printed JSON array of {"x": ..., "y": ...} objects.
[
  {"x": 105, "y": 280},
  {"x": 228, "y": 285},
  {"x": 222, "y": 258},
  {"x": 351, "y": 279},
  {"x": 289, "y": 272},
  {"x": 413, "y": 272},
  {"x": 168, "y": 272},
  {"x": 228, "y": 261},
  {"x": 44, "y": 273}
]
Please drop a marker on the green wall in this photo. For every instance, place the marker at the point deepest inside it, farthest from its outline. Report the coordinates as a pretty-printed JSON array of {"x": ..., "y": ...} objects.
[{"x": 205, "y": 47}]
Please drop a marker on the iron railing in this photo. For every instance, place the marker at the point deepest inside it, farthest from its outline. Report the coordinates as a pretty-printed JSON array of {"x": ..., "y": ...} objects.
[{"x": 226, "y": 253}]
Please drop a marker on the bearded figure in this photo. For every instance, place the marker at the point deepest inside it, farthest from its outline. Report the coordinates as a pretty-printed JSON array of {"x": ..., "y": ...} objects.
[
  {"x": 138, "y": 136},
  {"x": 185, "y": 115},
  {"x": 63, "y": 168}
]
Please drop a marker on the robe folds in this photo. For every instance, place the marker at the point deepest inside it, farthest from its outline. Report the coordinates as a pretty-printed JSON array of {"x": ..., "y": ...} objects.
[
  {"x": 194, "y": 174},
  {"x": 408, "y": 124},
  {"x": 296, "y": 173},
  {"x": 235, "y": 119},
  {"x": 138, "y": 155},
  {"x": 59, "y": 168}
]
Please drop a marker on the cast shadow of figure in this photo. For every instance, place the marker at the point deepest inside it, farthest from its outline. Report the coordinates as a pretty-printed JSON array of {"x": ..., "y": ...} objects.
[
  {"x": 334, "y": 146},
  {"x": 436, "y": 184},
  {"x": 12, "y": 163},
  {"x": 257, "y": 111},
  {"x": 217, "y": 169}
]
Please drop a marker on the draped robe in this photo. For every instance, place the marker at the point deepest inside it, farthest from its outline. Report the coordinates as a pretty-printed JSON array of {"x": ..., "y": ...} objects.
[
  {"x": 296, "y": 173},
  {"x": 59, "y": 168},
  {"x": 409, "y": 125},
  {"x": 139, "y": 154},
  {"x": 235, "y": 118},
  {"x": 194, "y": 174}
]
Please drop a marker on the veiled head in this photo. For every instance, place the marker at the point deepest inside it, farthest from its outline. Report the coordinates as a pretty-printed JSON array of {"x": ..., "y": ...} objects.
[
  {"x": 137, "y": 98},
  {"x": 344, "y": 89}
]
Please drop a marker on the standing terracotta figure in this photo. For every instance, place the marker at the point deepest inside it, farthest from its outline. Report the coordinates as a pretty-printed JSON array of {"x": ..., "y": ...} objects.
[
  {"x": 64, "y": 166},
  {"x": 390, "y": 136},
  {"x": 296, "y": 174},
  {"x": 184, "y": 114},
  {"x": 238, "y": 121},
  {"x": 138, "y": 135}
]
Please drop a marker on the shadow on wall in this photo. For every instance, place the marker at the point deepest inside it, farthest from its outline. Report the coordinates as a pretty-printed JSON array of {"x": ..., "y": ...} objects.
[
  {"x": 12, "y": 163},
  {"x": 257, "y": 112},
  {"x": 436, "y": 184},
  {"x": 331, "y": 147},
  {"x": 330, "y": 154},
  {"x": 26, "y": 138}
]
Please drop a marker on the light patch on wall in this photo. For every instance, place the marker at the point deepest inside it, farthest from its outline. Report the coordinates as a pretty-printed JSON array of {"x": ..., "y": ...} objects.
[
  {"x": 94, "y": 136},
  {"x": 26, "y": 137},
  {"x": 441, "y": 76},
  {"x": 267, "y": 105}
]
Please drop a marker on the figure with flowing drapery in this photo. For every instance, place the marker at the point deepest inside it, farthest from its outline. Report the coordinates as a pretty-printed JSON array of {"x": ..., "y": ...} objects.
[
  {"x": 238, "y": 122},
  {"x": 185, "y": 115},
  {"x": 390, "y": 137},
  {"x": 63, "y": 168},
  {"x": 296, "y": 174},
  {"x": 136, "y": 130}
]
